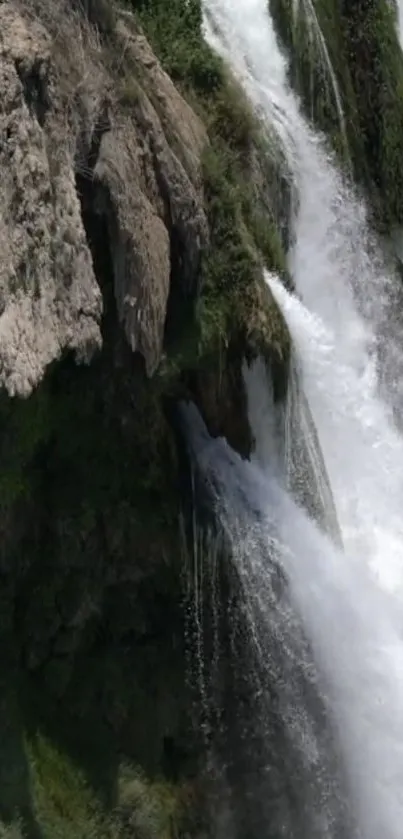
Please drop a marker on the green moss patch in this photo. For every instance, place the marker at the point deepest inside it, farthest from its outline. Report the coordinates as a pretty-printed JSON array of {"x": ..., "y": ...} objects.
[{"x": 362, "y": 45}]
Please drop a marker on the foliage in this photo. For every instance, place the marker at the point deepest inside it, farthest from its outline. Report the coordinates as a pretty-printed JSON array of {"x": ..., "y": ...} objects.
[
  {"x": 242, "y": 231},
  {"x": 358, "y": 42},
  {"x": 375, "y": 62},
  {"x": 175, "y": 32},
  {"x": 65, "y": 806},
  {"x": 23, "y": 427}
]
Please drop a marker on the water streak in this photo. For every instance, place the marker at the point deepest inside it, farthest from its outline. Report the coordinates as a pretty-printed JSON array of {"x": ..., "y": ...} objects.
[{"x": 307, "y": 9}]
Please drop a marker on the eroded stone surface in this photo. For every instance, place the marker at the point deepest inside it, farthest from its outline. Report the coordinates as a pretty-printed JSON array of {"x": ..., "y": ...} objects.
[
  {"x": 62, "y": 114},
  {"x": 49, "y": 297}
]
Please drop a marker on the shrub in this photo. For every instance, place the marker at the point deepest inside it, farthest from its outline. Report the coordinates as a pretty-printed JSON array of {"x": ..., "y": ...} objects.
[{"x": 174, "y": 28}]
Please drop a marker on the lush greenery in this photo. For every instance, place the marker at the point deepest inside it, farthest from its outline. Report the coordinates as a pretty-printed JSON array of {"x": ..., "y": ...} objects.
[
  {"x": 64, "y": 806},
  {"x": 359, "y": 43},
  {"x": 229, "y": 308}
]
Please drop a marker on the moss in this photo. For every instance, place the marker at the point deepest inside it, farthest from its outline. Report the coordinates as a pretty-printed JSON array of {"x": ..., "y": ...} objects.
[
  {"x": 243, "y": 234},
  {"x": 65, "y": 806},
  {"x": 301, "y": 26},
  {"x": 232, "y": 272},
  {"x": 376, "y": 68},
  {"x": 175, "y": 32},
  {"x": 129, "y": 92},
  {"x": 149, "y": 810},
  {"x": 62, "y": 773},
  {"x": 364, "y": 54}
]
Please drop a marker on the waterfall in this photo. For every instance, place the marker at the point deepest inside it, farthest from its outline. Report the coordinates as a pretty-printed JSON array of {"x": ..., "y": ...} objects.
[
  {"x": 279, "y": 748},
  {"x": 286, "y": 442},
  {"x": 316, "y": 630},
  {"x": 351, "y": 667},
  {"x": 350, "y": 351},
  {"x": 363, "y": 450},
  {"x": 304, "y": 11}
]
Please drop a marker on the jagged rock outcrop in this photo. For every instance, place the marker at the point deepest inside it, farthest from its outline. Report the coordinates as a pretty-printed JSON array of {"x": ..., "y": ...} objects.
[
  {"x": 71, "y": 135},
  {"x": 49, "y": 298},
  {"x": 149, "y": 174}
]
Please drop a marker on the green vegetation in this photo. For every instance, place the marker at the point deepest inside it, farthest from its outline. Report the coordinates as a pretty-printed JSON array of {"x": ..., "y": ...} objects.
[
  {"x": 64, "y": 806},
  {"x": 242, "y": 230},
  {"x": 174, "y": 30},
  {"x": 230, "y": 302},
  {"x": 363, "y": 49},
  {"x": 375, "y": 62}
]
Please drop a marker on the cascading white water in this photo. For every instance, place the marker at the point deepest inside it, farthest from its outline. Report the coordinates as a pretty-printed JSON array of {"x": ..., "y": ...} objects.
[
  {"x": 362, "y": 448},
  {"x": 347, "y": 333},
  {"x": 356, "y": 643}
]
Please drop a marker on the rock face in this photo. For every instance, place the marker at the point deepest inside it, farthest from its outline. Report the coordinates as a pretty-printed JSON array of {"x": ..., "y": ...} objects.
[
  {"x": 71, "y": 138},
  {"x": 49, "y": 298},
  {"x": 148, "y": 177}
]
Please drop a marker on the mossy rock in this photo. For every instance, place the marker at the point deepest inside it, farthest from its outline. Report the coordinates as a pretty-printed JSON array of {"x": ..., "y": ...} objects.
[
  {"x": 356, "y": 44},
  {"x": 375, "y": 62},
  {"x": 312, "y": 34},
  {"x": 241, "y": 164}
]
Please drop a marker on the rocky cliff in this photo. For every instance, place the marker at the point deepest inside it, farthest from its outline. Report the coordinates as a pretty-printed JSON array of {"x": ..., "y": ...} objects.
[{"x": 139, "y": 203}]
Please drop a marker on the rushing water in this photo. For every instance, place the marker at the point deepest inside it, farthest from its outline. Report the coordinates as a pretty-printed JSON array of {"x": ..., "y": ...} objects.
[
  {"x": 346, "y": 333},
  {"x": 352, "y": 666}
]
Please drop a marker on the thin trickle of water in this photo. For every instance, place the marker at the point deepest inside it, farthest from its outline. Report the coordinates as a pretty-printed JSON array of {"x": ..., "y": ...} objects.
[
  {"x": 307, "y": 9},
  {"x": 307, "y": 478},
  {"x": 266, "y": 418},
  {"x": 286, "y": 442}
]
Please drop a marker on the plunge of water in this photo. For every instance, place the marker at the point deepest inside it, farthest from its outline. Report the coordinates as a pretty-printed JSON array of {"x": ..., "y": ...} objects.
[
  {"x": 347, "y": 334},
  {"x": 354, "y": 300},
  {"x": 286, "y": 442},
  {"x": 275, "y": 743},
  {"x": 347, "y": 681}
]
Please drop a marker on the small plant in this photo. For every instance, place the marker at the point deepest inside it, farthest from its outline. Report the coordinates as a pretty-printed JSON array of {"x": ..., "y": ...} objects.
[{"x": 174, "y": 29}]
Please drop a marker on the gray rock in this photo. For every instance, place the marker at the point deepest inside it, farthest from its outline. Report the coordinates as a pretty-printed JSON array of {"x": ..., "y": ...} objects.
[
  {"x": 49, "y": 297},
  {"x": 62, "y": 114}
]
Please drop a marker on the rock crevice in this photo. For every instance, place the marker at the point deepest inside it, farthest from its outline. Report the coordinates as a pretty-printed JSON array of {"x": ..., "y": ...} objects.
[{"x": 141, "y": 151}]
